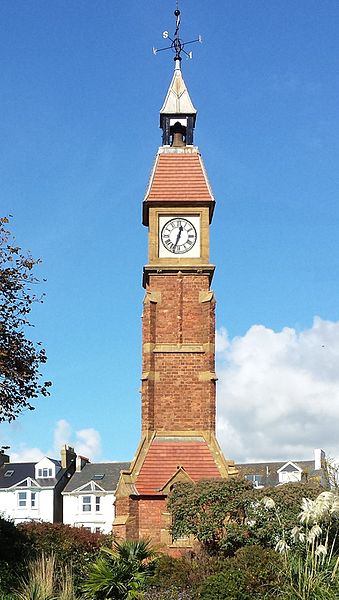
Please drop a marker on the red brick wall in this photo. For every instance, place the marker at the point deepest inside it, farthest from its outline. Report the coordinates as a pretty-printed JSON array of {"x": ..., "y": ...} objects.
[
  {"x": 178, "y": 399},
  {"x": 151, "y": 520}
]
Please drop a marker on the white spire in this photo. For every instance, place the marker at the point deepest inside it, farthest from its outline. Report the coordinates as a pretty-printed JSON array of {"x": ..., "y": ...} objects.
[{"x": 178, "y": 100}]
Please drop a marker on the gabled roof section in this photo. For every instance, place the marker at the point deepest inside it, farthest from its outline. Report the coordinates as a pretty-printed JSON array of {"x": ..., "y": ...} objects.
[
  {"x": 269, "y": 471},
  {"x": 168, "y": 455},
  {"x": 22, "y": 471},
  {"x": 178, "y": 100},
  {"x": 289, "y": 467},
  {"x": 178, "y": 178},
  {"x": 108, "y": 483}
]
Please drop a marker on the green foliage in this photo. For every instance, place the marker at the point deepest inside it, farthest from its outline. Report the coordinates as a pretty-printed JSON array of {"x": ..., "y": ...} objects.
[
  {"x": 121, "y": 573},
  {"x": 172, "y": 572},
  {"x": 12, "y": 554},
  {"x": 228, "y": 584},
  {"x": 182, "y": 577},
  {"x": 20, "y": 359},
  {"x": 39, "y": 583},
  {"x": 253, "y": 572},
  {"x": 310, "y": 549},
  {"x": 205, "y": 509},
  {"x": 226, "y": 515},
  {"x": 42, "y": 581},
  {"x": 73, "y": 546},
  {"x": 266, "y": 531}
]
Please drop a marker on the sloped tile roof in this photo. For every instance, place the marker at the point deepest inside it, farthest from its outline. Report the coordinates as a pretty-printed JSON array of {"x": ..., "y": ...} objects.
[
  {"x": 179, "y": 177},
  {"x": 110, "y": 470},
  {"x": 24, "y": 470},
  {"x": 165, "y": 456},
  {"x": 269, "y": 470}
]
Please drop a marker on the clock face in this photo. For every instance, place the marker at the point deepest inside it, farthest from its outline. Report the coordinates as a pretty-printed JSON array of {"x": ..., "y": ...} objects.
[{"x": 178, "y": 235}]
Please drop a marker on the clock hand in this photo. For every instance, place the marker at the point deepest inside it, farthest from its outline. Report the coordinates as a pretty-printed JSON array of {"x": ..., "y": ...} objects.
[{"x": 178, "y": 236}]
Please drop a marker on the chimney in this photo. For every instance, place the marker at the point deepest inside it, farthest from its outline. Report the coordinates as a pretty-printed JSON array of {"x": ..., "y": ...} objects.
[
  {"x": 81, "y": 461},
  {"x": 67, "y": 456},
  {"x": 4, "y": 458},
  {"x": 319, "y": 459}
]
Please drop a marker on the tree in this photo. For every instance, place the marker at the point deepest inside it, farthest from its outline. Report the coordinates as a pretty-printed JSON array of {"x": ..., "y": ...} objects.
[
  {"x": 209, "y": 510},
  {"x": 225, "y": 515},
  {"x": 20, "y": 358}
]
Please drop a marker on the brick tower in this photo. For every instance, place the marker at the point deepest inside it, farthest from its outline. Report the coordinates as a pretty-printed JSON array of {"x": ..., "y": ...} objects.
[{"x": 178, "y": 440}]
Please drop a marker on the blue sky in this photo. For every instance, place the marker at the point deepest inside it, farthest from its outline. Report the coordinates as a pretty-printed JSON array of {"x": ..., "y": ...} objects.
[{"x": 80, "y": 99}]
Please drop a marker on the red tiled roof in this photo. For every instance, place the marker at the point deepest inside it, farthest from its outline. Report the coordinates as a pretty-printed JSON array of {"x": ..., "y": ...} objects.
[
  {"x": 163, "y": 459},
  {"x": 179, "y": 177}
]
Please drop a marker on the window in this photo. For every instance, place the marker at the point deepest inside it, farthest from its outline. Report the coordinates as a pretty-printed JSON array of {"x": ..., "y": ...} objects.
[
  {"x": 33, "y": 500},
  {"x": 9, "y": 473},
  {"x": 22, "y": 499},
  {"x": 287, "y": 477},
  {"x": 98, "y": 476},
  {"x": 86, "y": 503},
  {"x": 45, "y": 472},
  {"x": 256, "y": 480}
]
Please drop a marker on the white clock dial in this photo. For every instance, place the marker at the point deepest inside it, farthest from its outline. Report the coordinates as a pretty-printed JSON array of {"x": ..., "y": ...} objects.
[{"x": 178, "y": 235}]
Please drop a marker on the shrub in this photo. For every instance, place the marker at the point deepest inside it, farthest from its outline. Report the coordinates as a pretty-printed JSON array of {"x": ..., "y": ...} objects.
[
  {"x": 121, "y": 573},
  {"x": 11, "y": 555},
  {"x": 228, "y": 584},
  {"x": 253, "y": 572},
  {"x": 73, "y": 546}
]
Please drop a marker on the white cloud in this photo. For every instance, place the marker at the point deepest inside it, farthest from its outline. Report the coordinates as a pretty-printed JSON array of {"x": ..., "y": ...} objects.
[
  {"x": 25, "y": 454},
  {"x": 62, "y": 435},
  {"x": 86, "y": 442},
  {"x": 278, "y": 394}
]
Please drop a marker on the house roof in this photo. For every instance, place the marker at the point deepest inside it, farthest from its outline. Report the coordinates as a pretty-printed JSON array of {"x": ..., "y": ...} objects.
[
  {"x": 166, "y": 455},
  {"x": 269, "y": 470},
  {"x": 109, "y": 481},
  {"x": 24, "y": 470}
]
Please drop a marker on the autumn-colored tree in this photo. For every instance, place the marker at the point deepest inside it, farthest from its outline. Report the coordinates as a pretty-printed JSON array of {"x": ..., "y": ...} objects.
[{"x": 20, "y": 358}]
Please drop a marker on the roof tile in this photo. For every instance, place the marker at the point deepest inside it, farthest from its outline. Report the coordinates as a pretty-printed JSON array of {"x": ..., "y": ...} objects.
[{"x": 164, "y": 458}]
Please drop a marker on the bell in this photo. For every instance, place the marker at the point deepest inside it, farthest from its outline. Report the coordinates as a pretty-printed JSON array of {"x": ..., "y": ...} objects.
[{"x": 178, "y": 132}]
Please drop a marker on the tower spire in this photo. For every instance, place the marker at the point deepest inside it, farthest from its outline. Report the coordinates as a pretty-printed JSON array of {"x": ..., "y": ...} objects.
[{"x": 177, "y": 114}]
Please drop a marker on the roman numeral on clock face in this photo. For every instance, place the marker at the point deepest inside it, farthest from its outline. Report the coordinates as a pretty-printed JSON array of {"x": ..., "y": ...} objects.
[{"x": 178, "y": 235}]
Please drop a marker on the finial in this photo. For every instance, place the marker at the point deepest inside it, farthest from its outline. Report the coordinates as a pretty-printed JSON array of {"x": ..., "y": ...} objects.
[{"x": 177, "y": 45}]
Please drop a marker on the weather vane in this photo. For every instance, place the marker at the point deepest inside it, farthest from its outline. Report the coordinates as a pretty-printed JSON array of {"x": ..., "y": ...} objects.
[{"x": 177, "y": 45}]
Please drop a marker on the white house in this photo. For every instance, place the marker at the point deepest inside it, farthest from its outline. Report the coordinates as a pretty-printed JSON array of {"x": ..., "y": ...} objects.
[
  {"x": 89, "y": 496},
  {"x": 269, "y": 474},
  {"x": 32, "y": 491}
]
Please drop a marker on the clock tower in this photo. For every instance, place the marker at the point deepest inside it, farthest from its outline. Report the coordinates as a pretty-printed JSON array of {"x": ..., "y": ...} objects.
[{"x": 178, "y": 378}]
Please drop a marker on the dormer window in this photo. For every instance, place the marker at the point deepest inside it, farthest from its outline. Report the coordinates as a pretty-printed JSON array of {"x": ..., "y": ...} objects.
[
  {"x": 289, "y": 473},
  {"x": 44, "y": 473}
]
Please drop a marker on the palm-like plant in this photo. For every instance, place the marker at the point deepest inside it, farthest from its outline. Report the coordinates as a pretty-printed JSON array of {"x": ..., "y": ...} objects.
[{"x": 121, "y": 573}]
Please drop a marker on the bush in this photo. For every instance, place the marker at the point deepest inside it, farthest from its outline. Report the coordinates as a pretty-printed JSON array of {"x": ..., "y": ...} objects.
[
  {"x": 182, "y": 577},
  {"x": 261, "y": 569},
  {"x": 253, "y": 572},
  {"x": 73, "y": 546},
  {"x": 11, "y": 555},
  {"x": 228, "y": 584}
]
